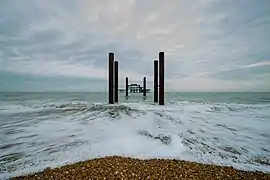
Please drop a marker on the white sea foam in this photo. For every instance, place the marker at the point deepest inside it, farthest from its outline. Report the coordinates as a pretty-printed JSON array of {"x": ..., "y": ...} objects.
[{"x": 225, "y": 134}]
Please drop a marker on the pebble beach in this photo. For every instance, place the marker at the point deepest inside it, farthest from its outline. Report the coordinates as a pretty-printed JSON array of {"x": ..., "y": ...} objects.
[{"x": 116, "y": 167}]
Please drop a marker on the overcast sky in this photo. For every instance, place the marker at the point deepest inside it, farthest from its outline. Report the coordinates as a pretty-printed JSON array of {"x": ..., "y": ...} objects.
[{"x": 209, "y": 45}]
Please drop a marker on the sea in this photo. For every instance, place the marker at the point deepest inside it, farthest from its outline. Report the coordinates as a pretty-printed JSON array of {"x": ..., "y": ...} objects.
[{"x": 40, "y": 130}]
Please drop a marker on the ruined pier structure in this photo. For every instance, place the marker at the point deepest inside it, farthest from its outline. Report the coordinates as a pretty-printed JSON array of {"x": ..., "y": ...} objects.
[{"x": 159, "y": 73}]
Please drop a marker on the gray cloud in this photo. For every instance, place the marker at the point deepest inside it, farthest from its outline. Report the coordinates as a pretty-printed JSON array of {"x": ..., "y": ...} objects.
[
  {"x": 73, "y": 38},
  {"x": 243, "y": 74}
]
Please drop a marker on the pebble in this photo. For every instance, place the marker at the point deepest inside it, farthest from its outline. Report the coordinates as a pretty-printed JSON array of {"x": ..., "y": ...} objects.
[{"x": 116, "y": 167}]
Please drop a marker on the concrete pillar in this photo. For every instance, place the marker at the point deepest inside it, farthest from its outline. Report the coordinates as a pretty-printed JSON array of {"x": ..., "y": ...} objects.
[
  {"x": 111, "y": 75},
  {"x": 116, "y": 81},
  {"x": 144, "y": 86},
  {"x": 161, "y": 78},
  {"x": 155, "y": 81},
  {"x": 126, "y": 86}
]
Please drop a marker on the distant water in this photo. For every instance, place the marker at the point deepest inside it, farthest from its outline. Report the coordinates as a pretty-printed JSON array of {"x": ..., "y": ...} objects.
[{"x": 39, "y": 130}]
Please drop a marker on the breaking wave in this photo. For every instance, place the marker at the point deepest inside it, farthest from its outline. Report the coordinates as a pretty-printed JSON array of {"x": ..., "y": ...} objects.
[{"x": 36, "y": 135}]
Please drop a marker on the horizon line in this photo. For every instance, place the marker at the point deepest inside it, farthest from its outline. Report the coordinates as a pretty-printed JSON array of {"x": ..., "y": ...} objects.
[{"x": 52, "y": 91}]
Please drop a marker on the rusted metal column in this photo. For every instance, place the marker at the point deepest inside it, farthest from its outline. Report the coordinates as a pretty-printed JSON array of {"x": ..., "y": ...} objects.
[
  {"x": 115, "y": 81},
  {"x": 126, "y": 86},
  {"x": 111, "y": 74},
  {"x": 155, "y": 81},
  {"x": 161, "y": 78},
  {"x": 144, "y": 86}
]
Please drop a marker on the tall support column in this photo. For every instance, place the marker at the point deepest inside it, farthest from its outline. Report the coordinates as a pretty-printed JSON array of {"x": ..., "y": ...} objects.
[
  {"x": 111, "y": 74},
  {"x": 126, "y": 86},
  {"x": 115, "y": 81},
  {"x": 155, "y": 81},
  {"x": 161, "y": 78},
  {"x": 144, "y": 86}
]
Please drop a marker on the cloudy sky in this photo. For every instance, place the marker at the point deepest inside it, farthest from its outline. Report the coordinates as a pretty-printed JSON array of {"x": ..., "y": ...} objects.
[{"x": 209, "y": 45}]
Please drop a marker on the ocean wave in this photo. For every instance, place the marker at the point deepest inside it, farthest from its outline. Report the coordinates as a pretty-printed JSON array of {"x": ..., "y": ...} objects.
[
  {"x": 73, "y": 108},
  {"x": 55, "y": 133}
]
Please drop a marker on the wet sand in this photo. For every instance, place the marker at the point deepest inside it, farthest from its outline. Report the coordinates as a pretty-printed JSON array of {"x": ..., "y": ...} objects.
[{"x": 116, "y": 167}]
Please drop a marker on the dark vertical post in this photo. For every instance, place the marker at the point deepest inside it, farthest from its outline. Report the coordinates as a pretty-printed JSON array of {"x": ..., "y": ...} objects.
[
  {"x": 111, "y": 63},
  {"x": 126, "y": 86},
  {"x": 116, "y": 81},
  {"x": 161, "y": 78},
  {"x": 144, "y": 86},
  {"x": 155, "y": 81}
]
